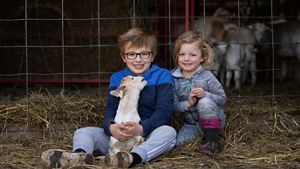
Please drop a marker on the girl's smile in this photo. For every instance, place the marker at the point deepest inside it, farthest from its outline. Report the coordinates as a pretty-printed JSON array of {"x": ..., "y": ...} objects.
[{"x": 189, "y": 58}]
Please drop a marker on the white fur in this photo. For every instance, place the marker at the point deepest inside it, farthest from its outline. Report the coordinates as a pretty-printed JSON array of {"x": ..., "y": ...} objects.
[{"x": 128, "y": 91}]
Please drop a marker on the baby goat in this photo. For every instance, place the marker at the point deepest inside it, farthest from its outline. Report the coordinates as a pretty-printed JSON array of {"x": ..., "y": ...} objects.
[{"x": 128, "y": 91}]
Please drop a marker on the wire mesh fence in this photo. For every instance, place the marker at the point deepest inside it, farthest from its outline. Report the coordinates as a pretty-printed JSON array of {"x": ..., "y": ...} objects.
[{"x": 57, "y": 57}]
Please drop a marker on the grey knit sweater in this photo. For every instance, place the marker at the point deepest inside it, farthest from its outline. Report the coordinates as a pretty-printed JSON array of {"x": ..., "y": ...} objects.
[{"x": 202, "y": 78}]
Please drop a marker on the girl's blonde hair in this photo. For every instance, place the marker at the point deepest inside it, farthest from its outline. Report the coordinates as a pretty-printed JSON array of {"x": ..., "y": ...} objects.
[
  {"x": 191, "y": 37},
  {"x": 136, "y": 37}
]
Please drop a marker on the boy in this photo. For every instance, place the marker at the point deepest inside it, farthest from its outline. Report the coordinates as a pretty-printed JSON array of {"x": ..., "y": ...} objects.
[{"x": 138, "y": 50}]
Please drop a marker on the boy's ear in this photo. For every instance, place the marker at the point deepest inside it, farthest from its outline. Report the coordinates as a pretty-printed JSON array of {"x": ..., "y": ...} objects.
[
  {"x": 119, "y": 92},
  {"x": 123, "y": 57},
  {"x": 153, "y": 58}
]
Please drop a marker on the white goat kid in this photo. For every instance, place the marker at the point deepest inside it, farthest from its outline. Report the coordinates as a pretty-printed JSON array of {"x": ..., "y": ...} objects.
[
  {"x": 241, "y": 53},
  {"x": 128, "y": 91}
]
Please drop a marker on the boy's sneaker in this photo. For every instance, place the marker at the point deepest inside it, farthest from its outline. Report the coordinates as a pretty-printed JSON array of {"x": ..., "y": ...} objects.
[
  {"x": 119, "y": 160},
  {"x": 209, "y": 149},
  {"x": 57, "y": 158}
]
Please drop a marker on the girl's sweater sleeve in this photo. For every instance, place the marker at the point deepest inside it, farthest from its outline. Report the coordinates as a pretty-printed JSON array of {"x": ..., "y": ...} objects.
[
  {"x": 215, "y": 91},
  {"x": 179, "y": 106}
]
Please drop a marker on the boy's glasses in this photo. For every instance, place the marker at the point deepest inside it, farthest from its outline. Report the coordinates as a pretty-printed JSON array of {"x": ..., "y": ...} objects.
[{"x": 143, "y": 55}]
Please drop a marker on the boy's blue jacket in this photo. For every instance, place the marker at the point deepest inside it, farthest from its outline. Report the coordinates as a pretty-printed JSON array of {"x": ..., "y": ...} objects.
[{"x": 155, "y": 105}]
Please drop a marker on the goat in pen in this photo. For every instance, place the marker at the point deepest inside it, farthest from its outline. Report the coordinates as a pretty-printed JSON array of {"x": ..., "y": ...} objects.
[{"x": 128, "y": 91}]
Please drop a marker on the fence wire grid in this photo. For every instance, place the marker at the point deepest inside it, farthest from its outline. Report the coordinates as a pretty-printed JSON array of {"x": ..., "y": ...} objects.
[{"x": 63, "y": 43}]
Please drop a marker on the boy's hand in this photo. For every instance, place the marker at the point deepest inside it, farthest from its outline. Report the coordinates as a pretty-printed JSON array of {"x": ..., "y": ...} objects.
[
  {"x": 119, "y": 132},
  {"x": 133, "y": 128}
]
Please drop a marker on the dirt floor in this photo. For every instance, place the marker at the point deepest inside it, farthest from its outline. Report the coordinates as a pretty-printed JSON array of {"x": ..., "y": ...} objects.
[{"x": 262, "y": 130}]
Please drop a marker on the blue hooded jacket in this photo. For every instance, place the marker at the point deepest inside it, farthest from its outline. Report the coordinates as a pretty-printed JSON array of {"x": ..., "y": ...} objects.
[{"x": 155, "y": 105}]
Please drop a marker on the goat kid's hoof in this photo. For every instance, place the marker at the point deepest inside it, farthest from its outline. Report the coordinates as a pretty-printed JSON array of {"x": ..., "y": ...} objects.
[
  {"x": 57, "y": 158},
  {"x": 118, "y": 160}
]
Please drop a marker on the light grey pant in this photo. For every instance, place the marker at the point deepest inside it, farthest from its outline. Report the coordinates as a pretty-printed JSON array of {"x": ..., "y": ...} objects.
[
  {"x": 188, "y": 132},
  {"x": 160, "y": 141},
  {"x": 206, "y": 109}
]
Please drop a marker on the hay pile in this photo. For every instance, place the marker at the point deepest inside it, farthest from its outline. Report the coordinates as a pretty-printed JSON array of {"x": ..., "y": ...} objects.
[
  {"x": 255, "y": 136},
  {"x": 45, "y": 111}
]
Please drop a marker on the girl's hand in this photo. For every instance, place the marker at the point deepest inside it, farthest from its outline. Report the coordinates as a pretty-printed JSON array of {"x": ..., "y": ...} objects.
[
  {"x": 192, "y": 100},
  {"x": 198, "y": 92},
  {"x": 119, "y": 132},
  {"x": 195, "y": 95},
  {"x": 133, "y": 128}
]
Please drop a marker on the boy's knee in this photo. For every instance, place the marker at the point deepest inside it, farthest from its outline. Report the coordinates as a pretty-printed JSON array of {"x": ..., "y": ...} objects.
[
  {"x": 170, "y": 135},
  {"x": 170, "y": 132},
  {"x": 81, "y": 131}
]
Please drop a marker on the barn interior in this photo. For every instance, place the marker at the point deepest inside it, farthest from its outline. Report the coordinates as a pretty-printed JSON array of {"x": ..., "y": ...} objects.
[{"x": 57, "y": 57}]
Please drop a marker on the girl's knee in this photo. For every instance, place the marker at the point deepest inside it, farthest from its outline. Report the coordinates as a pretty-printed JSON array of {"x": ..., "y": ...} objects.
[
  {"x": 206, "y": 102},
  {"x": 207, "y": 108}
]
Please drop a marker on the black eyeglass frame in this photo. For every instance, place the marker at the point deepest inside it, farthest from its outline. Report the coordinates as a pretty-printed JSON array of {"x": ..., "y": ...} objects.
[{"x": 147, "y": 55}]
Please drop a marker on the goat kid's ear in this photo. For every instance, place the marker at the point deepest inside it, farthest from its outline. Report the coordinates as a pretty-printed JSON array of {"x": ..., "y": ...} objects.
[{"x": 119, "y": 92}]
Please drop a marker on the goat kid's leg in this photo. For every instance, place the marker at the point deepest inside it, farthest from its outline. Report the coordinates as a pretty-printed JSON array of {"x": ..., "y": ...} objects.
[
  {"x": 222, "y": 77},
  {"x": 114, "y": 146},
  {"x": 228, "y": 78},
  {"x": 237, "y": 76},
  {"x": 253, "y": 72},
  {"x": 244, "y": 74}
]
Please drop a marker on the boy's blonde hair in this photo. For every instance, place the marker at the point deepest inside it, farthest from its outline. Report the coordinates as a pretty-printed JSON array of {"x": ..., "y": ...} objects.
[
  {"x": 136, "y": 37},
  {"x": 191, "y": 37}
]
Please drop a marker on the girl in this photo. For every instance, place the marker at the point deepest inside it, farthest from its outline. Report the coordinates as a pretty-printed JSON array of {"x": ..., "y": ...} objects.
[{"x": 198, "y": 96}]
